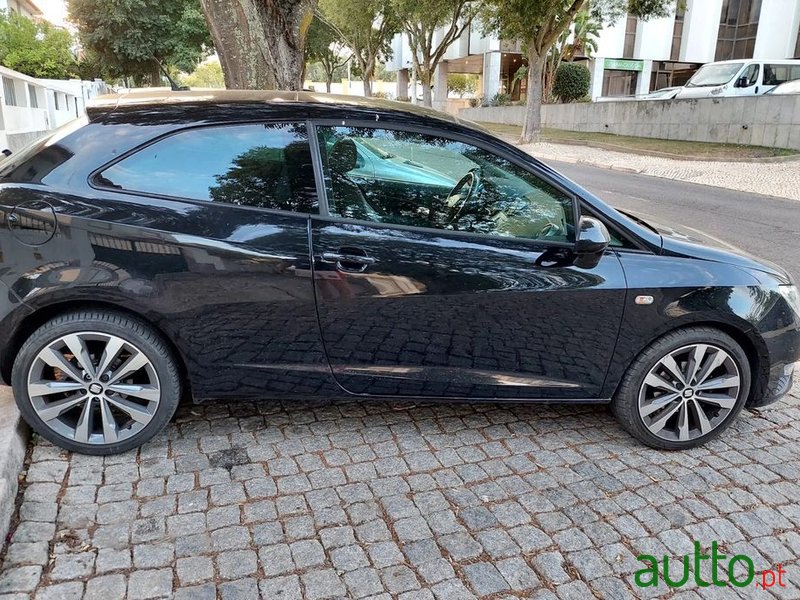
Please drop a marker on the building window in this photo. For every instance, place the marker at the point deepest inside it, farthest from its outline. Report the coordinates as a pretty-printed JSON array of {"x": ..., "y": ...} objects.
[
  {"x": 677, "y": 32},
  {"x": 34, "y": 97},
  {"x": 738, "y": 26},
  {"x": 619, "y": 83},
  {"x": 671, "y": 74},
  {"x": 630, "y": 37},
  {"x": 9, "y": 92},
  {"x": 55, "y": 100}
]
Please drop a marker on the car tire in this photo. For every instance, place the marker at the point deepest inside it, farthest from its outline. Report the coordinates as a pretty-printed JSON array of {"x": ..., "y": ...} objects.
[
  {"x": 674, "y": 394},
  {"x": 96, "y": 382}
]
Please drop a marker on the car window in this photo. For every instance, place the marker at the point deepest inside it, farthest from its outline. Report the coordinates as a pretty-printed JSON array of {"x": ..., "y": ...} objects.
[
  {"x": 409, "y": 178},
  {"x": 777, "y": 74},
  {"x": 262, "y": 165},
  {"x": 751, "y": 74}
]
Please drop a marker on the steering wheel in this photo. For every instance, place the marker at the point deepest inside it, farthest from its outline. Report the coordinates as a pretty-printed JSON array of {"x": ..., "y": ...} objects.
[
  {"x": 463, "y": 190},
  {"x": 549, "y": 230}
]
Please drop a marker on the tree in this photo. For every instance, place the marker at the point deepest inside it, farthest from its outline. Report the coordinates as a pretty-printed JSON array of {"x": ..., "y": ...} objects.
[
  {"x": 420, "y": 20},
  {"x": 539, "y": 24},
  {"x": 260, "y": 42},
  {"x": 366, "y": 27},
  {"x": 323, "y": 47},
  {"x": 583, "y": 35},
  {"x": 572, "y": 81},
  {"x": 135, "y": 37},
  {"x": 206, "y": 75},
  {"x": 462, "y": 83},
  {"x": 36, "y": 48}
]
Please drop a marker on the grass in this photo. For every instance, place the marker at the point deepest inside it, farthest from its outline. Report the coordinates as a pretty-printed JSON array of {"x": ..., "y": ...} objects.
[{"x": 624, "y": 143}]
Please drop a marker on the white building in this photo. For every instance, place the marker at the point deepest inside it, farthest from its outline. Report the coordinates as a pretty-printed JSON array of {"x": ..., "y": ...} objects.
[
  {"x": 31, "y": 107},
  {"x": 633, "y": 56},
  {"x": 24, "y": 7}
]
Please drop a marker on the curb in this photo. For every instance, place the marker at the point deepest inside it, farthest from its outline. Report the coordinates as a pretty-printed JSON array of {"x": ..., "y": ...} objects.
[{"x": 14, "y": 434}]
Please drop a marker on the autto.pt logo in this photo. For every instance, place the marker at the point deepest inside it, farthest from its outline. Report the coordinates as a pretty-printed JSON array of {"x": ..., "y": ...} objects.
[{"x": 677, "y": 572}]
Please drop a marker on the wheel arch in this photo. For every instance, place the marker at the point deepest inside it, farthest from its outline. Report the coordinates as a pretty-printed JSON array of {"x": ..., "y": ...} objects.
[
  {"x": 753, "y": 345},
  {"x": 39, "y": 317}
]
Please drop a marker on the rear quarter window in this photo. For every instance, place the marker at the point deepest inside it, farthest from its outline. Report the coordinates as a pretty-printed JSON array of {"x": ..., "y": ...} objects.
[{"x": 258, "y": 165}]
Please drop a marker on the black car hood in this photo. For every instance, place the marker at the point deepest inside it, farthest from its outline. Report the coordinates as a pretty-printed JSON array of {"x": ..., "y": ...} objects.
[{"x": 687, "y": 241}]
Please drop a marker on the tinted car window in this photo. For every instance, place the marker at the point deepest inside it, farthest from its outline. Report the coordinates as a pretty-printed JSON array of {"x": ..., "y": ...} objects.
[
  {"x": 264, "y": 165},
  {"x": 408, "y": 178}
]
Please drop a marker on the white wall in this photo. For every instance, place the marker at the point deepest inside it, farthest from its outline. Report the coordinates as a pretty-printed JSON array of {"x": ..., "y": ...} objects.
[
  {"x": 771, "y": 121},
  {"x": 777, "y": 29},
  {"x": 612, "y": 40},
  {"x": 700, "y": 29},
  {"x": 654, "y": 38}
]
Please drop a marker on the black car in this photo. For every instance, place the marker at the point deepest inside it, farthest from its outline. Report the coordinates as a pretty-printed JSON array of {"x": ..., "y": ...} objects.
[{"x": 264, "y": 245}]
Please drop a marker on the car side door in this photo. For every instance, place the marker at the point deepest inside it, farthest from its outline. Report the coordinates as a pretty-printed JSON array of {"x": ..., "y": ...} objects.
[{"x": 458, "y": 280}]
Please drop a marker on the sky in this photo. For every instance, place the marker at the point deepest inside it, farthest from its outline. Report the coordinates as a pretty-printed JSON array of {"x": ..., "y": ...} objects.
[{"x": 54, "y": 11}]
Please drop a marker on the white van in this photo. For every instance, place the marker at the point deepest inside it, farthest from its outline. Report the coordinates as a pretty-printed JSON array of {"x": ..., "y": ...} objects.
[{"x": 739, "y": 78}]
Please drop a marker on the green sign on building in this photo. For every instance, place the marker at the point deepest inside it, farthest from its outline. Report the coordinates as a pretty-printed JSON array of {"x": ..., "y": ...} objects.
[{"x": 620, "y": 64}]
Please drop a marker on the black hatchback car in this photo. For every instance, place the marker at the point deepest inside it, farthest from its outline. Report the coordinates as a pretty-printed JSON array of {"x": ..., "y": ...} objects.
[{"x": 264, "y": 245}]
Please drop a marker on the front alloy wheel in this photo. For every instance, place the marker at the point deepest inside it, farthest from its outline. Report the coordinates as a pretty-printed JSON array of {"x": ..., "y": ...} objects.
[
  {"x": 689, "y": 392},
  {"x": 96, "y": 382},
  {"x": 684, "y": 389}
]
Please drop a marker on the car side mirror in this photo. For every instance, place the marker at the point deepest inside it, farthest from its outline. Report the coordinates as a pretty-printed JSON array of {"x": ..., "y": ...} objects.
[
  {"x": 741, "y": 82},
  {"x": 593, "y": 239}
]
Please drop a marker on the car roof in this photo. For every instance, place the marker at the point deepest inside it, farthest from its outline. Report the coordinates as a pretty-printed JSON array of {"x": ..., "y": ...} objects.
[{"x": 147, "y": 99}]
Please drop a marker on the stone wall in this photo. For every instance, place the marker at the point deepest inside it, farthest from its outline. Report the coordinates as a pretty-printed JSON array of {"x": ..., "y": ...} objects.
[{"x": 772, "y": 121}]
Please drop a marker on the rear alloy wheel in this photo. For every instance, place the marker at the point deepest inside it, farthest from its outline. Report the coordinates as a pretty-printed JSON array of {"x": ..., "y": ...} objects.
[
  {"x": 684, "y": 390},
  {"x": 97, "y": 383}
]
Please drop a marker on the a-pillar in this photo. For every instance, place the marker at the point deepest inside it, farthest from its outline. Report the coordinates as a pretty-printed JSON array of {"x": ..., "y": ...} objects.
[
  {"x": 440, "y": 86},
  {"x": 491, "y": 74},
  {"x": 402, "y": 84}
]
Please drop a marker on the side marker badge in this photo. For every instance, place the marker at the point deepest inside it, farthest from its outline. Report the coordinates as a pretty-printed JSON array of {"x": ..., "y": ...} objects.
[{"x": 644, "y": 300}]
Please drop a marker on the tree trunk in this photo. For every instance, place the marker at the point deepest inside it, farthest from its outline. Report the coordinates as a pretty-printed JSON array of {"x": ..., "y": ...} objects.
[
  {"x": 155, "y": 75},
  {"x": 367, "y": 85},
  {"x": 425, "y": 76},
  {"x": 260, "y": 42},
  {"x": 533, "y": 107},
  {"x": 328, "y": 82}
]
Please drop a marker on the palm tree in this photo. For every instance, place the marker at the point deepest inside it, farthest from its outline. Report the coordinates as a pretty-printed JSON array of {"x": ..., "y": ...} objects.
[{"x": 585, "y": 32}]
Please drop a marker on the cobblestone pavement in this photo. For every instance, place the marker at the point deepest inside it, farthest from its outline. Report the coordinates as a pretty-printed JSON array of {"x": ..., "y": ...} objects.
[
  {"x": 780, "y": 179},
  {"x": 380, "y": 500}
]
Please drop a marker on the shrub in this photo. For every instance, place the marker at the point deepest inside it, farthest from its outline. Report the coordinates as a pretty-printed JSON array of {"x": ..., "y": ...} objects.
[
  {"x": 498, "y": 99},
  {"x": 572, "y": 82}
]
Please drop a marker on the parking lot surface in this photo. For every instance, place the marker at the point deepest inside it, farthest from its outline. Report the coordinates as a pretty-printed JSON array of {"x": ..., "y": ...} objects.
[{"x": 391, "y": 500}]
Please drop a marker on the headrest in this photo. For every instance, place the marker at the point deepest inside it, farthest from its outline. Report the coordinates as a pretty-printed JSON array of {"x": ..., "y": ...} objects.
[{"x": 343, "y": 156}]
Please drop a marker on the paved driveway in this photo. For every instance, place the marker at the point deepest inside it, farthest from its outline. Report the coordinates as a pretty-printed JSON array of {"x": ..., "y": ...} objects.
[{"x": 401, "y": 501}]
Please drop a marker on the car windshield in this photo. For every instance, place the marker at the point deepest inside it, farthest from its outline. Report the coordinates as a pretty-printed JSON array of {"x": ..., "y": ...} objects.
[{"x": 714, "y": 75}]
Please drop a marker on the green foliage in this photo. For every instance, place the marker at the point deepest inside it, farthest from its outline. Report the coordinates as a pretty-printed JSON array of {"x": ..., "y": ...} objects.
[
  {"x": 35, "y": 48},
  {"x": 572, "y": 81},
  {"x": 462, "y": 83},
  {"x": 366, "y": 27},
  {"x": 431, "y": 27},
  {"x": 126, "y": 35},
  {"x": 498, "y": 99},
  {"x": 206, "y": 75},
  {"x": 324, "y": 49}
]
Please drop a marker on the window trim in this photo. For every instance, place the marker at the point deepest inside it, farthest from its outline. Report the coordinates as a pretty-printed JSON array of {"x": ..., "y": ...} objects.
[
  {"x": 91, "y": 179},
  {"x": 450, "y": 134}
]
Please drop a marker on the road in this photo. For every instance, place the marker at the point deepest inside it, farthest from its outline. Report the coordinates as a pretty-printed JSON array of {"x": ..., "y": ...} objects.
[{"x": 764, "y": 226}]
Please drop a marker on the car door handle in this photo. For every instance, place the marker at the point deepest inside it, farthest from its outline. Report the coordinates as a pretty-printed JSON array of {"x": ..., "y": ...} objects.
[{"x": 339, "y": 257}]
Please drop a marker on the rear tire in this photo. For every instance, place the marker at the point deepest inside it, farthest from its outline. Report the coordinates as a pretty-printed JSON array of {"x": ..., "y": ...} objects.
[
  {"x": 684, "y": 390},
  {"x": 96, "y": 382}
]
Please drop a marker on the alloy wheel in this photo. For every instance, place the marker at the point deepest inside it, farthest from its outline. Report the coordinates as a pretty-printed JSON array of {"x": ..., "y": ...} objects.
[
  {"x": 93, "y": 388},
  {"x": 689, "y": 392}
]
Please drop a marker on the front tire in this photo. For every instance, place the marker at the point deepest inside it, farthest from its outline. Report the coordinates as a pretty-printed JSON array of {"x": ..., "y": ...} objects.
[
  {"x": 684, "y": 390},
  {"x": 96, "y": 382}
]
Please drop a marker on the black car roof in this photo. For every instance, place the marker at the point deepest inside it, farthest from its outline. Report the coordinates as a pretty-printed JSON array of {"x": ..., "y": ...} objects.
[{"x": 170, "y": 100}]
